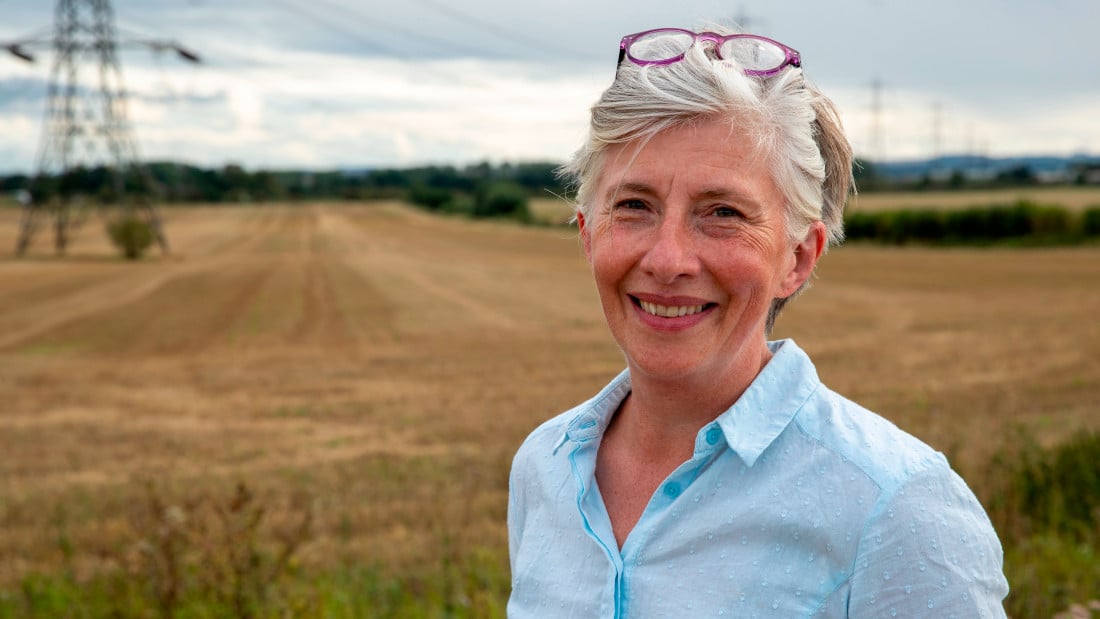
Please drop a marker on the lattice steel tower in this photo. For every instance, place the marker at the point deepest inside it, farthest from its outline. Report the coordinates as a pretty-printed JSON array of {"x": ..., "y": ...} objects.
[{"x": 86, "y": 130}]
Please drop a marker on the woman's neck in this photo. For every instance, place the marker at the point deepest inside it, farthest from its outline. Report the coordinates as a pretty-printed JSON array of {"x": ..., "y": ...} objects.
[{"x": 663, "y": 415}]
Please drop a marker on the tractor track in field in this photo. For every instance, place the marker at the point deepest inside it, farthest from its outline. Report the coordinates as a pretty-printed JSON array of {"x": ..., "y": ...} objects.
[
  {"x": 21, "y": 323},
  {"x": 375, "y": 253},
  {"x": 321, "y": 320}
]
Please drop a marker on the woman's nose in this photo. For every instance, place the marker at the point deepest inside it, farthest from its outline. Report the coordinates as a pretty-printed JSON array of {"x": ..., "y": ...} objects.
[{"x": 672, "y": 253}]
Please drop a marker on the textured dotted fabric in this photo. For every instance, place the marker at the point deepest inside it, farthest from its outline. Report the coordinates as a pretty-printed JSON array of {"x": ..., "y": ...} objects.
[{"x": 797, "y": 503}]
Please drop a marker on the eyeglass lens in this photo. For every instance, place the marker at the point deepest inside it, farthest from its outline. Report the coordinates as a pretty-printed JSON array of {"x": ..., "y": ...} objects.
[
  {"x": 750, "y": 53},
  {"x": 661, "y": 45},
  {"x": 753, "y": 54}
]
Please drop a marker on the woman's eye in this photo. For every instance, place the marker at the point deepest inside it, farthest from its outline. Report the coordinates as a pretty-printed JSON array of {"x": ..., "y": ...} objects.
[{"x": 630, "y": 205}]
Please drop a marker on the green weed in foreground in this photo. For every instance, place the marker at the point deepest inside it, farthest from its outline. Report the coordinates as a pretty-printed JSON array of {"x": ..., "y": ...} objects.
[
  {"x": 1049, "y": 573},
  {"x": 235, "y": 556},
  {"x": 476, "y": 589},
  {"x": 1045, "y": 504}
]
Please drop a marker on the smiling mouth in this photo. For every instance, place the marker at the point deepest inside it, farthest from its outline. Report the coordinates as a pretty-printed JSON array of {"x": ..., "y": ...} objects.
[{"x": 669, "y": 311}]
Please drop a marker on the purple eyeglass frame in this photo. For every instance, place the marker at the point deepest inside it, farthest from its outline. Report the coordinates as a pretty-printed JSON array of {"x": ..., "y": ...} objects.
[{"x": 792, "y": 57}]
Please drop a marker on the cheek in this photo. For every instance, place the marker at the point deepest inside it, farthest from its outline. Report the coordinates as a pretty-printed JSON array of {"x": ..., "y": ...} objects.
[
  {"x": 770, "y": 252},
  {"x": 607, "y": 264},
  {"x": 612, "y": 257},
  {"x": 751, "y": 269}
]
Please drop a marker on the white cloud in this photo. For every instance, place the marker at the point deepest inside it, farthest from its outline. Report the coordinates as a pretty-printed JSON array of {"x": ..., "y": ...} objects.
[
  {"x": 350, "y": 111},
  {"x": 282, "y": 90}
]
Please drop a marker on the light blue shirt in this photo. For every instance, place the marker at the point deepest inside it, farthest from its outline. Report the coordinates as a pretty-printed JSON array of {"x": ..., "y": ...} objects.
[{"x": 796, "y": 503}]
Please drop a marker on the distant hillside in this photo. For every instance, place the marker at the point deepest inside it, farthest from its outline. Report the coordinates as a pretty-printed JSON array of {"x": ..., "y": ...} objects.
[{"x": 977, "y": 167}]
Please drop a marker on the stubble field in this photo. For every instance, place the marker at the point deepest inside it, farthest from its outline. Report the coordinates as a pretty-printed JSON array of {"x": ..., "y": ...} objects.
[
  {"x": 1071, "y": 198},
  {"x": 379, "y": 366}
]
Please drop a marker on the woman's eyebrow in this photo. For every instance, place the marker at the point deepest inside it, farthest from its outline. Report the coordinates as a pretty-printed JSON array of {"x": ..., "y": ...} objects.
[
  {"x": 629, "y": 187},
  {"x": 726, "y": 193}
]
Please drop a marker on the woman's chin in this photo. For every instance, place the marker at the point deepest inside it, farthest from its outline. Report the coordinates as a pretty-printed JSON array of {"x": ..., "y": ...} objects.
[{"x": 667, "y": 365}]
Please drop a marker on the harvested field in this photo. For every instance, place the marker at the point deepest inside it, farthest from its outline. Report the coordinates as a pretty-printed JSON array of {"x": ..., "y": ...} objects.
[
  {"x": 1071, "y": 198},
  {"x": 386, "y": 364}
]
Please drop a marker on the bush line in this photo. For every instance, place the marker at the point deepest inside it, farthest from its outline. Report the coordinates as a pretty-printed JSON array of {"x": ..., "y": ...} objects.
[{"x": 1022, "y": 222}]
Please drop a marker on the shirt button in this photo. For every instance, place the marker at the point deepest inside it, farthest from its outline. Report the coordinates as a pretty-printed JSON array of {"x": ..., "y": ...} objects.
[
  {"x": 672, "y": 489},
  {"x": 714, "y": 435}
]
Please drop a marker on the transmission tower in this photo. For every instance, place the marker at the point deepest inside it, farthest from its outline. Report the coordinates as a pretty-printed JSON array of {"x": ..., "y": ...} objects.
[
  {"x": 86, "y": 133},
  {"x": 877, "y": 149}
]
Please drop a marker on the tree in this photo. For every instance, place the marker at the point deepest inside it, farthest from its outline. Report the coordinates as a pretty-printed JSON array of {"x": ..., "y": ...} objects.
[
  {"x": 1017, "y": 175},
  {"x": 131, "y": 235},
  {"x": 502, "y": 199}
]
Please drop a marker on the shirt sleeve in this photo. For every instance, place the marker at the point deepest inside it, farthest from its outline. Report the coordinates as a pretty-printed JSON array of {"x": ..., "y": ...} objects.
[
  {"x": 929, "y": 550},
  {"x": 516, "y": 507}
]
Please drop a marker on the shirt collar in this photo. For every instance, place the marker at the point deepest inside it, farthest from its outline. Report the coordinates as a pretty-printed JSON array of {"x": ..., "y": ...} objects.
[
  {"x": 593, "y": 416},
  {"x": 753, "y": 423},
  {"x": 770, "y": 403}
]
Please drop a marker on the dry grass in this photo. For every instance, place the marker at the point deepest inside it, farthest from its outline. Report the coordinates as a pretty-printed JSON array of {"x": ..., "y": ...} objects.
[
  {"x": 554, "y": 211},
  {"x": 388, "y": 363}
]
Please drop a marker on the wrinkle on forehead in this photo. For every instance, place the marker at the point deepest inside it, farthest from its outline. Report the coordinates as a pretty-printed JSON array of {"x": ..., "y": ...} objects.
[{"x": 631, "y": 179}]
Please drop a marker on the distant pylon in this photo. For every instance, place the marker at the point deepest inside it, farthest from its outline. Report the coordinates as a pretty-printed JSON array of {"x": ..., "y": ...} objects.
[
  {"x": 86, "y": 130},
  {"x": 877, "y": 149}
]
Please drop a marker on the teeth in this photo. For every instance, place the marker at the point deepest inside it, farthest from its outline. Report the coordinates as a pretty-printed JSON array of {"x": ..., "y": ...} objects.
[{"x": 670, "y": 311}]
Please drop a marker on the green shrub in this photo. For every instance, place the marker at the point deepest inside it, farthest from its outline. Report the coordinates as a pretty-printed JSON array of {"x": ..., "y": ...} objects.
[
  {"x": 1045, "y": 505},
  {"x": 501, "y": 200},
  {"x": 924, "y": 226},
  {"x": 1023, "y": 221},
  {"x": 1048, "y": 221},
  {"x": 1047, "y": 490},
  {"x": 968, "y": 224},
  {"x": 1005, "y": 222},
  {"x": 859, "y": 226},
  {"x": 131, "y": 234},
  {"x": 1090, "y": 221},
  {"x": 1047, "y": 573},
  {"x": 431, "y": 198}
]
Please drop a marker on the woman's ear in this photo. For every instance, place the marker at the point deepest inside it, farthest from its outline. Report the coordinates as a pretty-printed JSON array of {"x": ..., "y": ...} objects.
[
  {"x": 582, "y": 227},
  {"x": 806, "y": 254}
]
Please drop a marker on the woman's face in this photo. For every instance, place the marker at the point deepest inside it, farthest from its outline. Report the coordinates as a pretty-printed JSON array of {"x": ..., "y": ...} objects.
[{"x": 688, "y": 245}]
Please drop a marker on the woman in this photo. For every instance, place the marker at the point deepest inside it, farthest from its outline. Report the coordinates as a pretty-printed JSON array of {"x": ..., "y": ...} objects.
[{"x": 716, "y": 475}]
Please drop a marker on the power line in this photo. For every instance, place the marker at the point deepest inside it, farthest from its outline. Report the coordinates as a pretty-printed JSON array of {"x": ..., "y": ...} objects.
[
  {"x": 334, "y": 26},
  {"x": 340, "y": 27},
  {"x": 526, "y": 41},
  {"x": 420, "y": 36}
]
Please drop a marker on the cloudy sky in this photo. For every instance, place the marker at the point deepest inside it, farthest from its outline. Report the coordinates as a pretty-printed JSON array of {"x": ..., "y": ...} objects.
[{"x": 363, "y": 83}]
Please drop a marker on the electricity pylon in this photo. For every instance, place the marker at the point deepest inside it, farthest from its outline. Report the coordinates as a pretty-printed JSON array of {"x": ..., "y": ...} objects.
[
  {"x": 86, "y": 130},
  {"x": 877, "y": 149}
]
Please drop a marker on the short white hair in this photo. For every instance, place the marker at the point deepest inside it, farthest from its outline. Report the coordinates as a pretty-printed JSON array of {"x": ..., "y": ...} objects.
[
  {"x": 788, "y": 119},
  {"x": 791, "y": 123}
]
